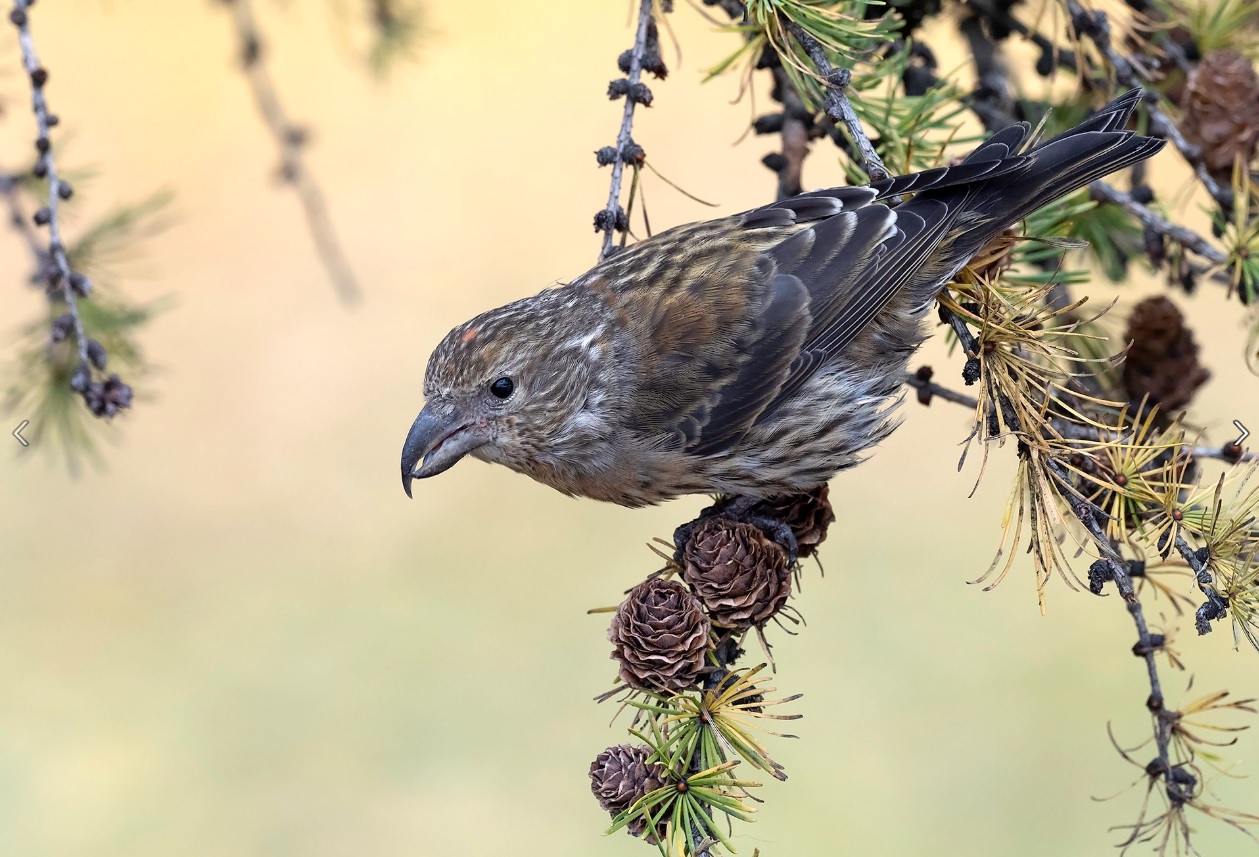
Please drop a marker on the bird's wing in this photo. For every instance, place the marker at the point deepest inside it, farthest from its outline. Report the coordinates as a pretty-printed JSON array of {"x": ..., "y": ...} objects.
[
  {"x": 732, "y": 316},
  {"x": 725, "y": 415},
  {"x": 856, "y": 258},
  {"x": 853, "y": 269}
]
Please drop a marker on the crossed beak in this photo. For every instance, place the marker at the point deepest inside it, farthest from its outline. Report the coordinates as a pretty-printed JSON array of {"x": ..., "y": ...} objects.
[{"x": 439, "y": 437}]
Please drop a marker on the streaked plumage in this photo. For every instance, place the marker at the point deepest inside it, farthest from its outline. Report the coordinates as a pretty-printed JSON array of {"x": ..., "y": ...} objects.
[{"x": 756, "y": 354}]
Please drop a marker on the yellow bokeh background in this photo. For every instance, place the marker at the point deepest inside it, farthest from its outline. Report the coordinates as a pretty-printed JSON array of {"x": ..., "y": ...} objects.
[{"x": 240, "y": 639}]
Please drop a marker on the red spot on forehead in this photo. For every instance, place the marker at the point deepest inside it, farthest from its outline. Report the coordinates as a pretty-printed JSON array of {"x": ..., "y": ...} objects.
[{"x": 469, "y": 335}]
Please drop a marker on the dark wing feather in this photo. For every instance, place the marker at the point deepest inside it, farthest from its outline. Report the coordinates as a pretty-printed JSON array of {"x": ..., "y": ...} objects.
[
  {"x": 830, "y": 278},
  {"x": 846, "y": 302},
  {"x": 807, "y": 207},
  {"x": 851, "y": 302},
  {"x": 769, "y": 355},
  {"x": 942, "y": 178},
  {"x": 719, "y": 327},
  {"x": 833, "y": 259},
  {"x": 1006, "y": 142},
  {"x": 1112, "y": 117}
]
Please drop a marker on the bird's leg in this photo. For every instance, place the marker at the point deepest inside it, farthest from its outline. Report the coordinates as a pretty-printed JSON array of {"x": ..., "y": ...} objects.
[{"x": 743, "y": 510}]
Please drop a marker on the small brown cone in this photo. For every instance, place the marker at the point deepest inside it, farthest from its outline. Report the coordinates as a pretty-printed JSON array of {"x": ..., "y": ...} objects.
[
  {"x": 620, "y": 775},
  {"x": 739, "y": 573},
  {"x": 659, "y": 637},
  {"x": 809, "y": 516},
  {"x": 1221, "y": 107},
  {"x": 1162, "y": 363}
]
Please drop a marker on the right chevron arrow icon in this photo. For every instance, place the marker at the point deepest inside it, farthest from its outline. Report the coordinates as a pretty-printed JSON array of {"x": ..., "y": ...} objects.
[{"x": 1245, "y": 433}]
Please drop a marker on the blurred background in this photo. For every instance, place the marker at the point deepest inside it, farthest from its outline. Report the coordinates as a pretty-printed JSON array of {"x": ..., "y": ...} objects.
[{"x": 238, "y": 638}]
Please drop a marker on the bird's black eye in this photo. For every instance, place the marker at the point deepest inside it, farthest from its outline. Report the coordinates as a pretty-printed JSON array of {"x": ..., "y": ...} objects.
[{"x": 502, "y": 388}]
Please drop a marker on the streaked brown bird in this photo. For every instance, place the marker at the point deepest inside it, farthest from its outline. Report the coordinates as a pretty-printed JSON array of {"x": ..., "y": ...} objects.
[{"x": 753, "y": 355}]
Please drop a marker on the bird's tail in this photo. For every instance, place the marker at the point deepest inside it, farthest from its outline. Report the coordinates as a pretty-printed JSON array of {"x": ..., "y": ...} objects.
[{"x": 1031, "y": 176}]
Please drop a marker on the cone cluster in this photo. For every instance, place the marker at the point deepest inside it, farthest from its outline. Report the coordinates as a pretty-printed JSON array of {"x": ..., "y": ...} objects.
[{"x": 735, "y": 576}]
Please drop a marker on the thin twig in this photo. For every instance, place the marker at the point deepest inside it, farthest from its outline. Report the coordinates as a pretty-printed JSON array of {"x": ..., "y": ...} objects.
[
  {"x": 725, "y": 654},
  {"x": 1147, "y": 646},
  {"x": 291, "y": 141},
  {"x": 1216, "y": 606},
  {"x": 837, "y": 105},
  {"x": 1225, "y": 454},
  {"x": 1185, "y": 237},
  {"x": 928, "y": 389},
  {"x": 612, "y": 218}
]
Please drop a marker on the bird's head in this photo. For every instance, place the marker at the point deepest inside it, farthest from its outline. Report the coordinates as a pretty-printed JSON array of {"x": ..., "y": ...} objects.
[{"x": 504, "y": 386}]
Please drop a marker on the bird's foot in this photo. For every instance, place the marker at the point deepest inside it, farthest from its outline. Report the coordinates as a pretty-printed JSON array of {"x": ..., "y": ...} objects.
[
  {"x": 780, "y": 533},
  {"x": 741, "y": 510}
]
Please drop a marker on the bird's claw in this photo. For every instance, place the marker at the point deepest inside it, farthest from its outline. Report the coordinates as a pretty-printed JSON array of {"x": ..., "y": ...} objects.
[
  {"x": 741, "y": 510},
  {"x": 780, "y": 533}
]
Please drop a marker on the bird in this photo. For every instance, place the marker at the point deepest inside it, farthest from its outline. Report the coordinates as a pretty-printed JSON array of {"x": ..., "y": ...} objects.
[{"x": 755, "y": 355}]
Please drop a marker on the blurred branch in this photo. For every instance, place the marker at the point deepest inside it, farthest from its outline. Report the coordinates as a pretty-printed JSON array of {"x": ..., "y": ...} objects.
[
  {"x": 794, "y": 125},
  {"x": 644, "y": 55},
  {"x": 1183, "y": 236},
  {"x": 999, "y": 15},
  {"x": 985, "y": 102},
  {"x": 46, "y": 168},
  {"x": 396, "y": 25},
  {"x": 992, "y": 77},
  {"x": 103, "y": 398},
  {"x": 795, "y": 119},
  {"x": 292, "y": 140}
]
